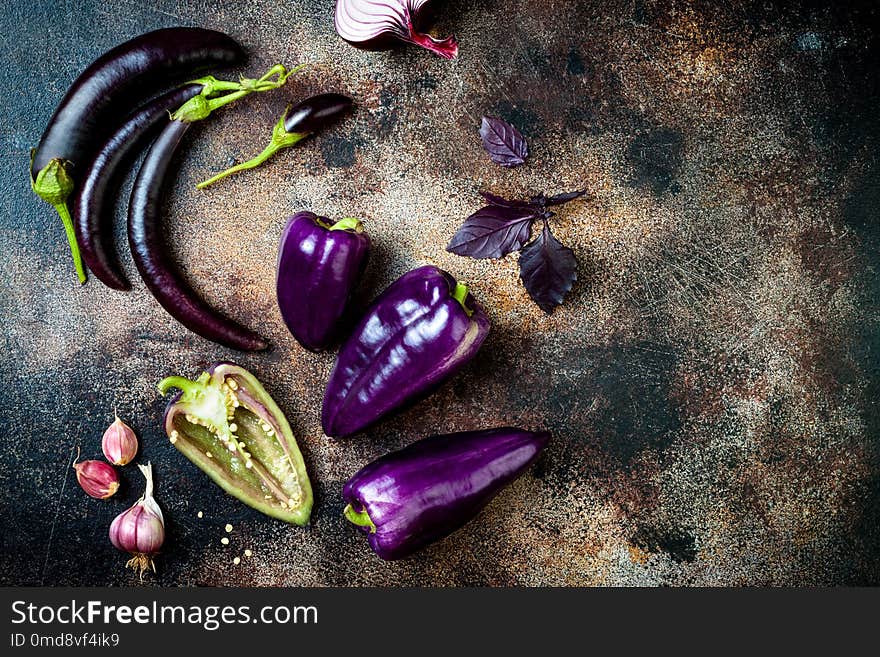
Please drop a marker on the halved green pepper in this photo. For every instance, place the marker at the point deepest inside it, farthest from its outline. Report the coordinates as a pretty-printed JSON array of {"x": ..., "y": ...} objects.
[{"x": 227, "y": 424}]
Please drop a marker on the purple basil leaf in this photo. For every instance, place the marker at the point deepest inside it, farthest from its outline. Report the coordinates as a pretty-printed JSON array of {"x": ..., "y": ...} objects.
[
  {"x": 493, "y": 232},
  {"x": 559, "y": 199},
  {"x": 504, "y": 143},
  {"x": 500, "y": 201},
  {"x": 548, "y": 270}
]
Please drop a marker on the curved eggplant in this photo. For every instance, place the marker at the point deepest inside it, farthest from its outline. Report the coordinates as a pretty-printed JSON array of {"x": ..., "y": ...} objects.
[
  {"x": 319, "y": 265},
  {"x": 101, "y": 96},
  {"x": 95, "y": 193},
  {"x": 131, "y": 70},
  {"x": 156, "y": 269},
  {"x": 420, "y": 331}
]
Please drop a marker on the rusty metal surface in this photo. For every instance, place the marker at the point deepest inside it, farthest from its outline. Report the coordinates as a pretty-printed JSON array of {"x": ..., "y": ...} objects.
[{"x": 711, "y": 382}]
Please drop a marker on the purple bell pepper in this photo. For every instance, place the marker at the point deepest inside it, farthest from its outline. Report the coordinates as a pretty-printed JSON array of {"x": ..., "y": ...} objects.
[
  {"x": 410, "y": 498},
  {"x": 421, "y": 330},
  {"x": 319, "y": 265}
]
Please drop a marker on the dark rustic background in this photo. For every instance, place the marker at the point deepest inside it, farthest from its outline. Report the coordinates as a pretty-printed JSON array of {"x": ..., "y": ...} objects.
[{"x": 711, "y": 382}]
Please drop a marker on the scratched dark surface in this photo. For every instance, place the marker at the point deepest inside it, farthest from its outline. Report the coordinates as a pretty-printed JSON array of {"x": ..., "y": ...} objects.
[{"x": 711, "y": 382}]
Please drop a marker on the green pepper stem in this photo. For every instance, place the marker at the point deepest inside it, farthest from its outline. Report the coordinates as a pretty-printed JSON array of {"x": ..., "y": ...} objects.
[
  {"x": 460, "y": 294},
  {"x": 181, "y": 382},
  {"x": 349, "y": 223},
  {"x": 280, "y": 139},
  {"x": 359, "y": 518}
]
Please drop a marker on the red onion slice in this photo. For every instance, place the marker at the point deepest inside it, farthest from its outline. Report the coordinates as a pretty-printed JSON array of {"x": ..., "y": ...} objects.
[{"x": 376, "y": 24}]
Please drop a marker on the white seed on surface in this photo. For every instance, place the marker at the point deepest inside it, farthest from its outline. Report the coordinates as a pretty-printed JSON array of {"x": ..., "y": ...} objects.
[
  {"x": 200, "y": 514},
  {"x": 248, "y": 553},
  {"x": 228, "y": 528},
  {"x": 224, "y": 540},
  {"x": 236, "y": 561}
]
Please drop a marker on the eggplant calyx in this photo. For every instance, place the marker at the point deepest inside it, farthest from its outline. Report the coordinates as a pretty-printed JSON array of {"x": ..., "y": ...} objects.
[
  {"x": 349, "y": 223},
  {"x": 460, "y": 294},
  {"x": 54, "y": 185},
  {"x": 359, "y": 518},
  {"x": 200, "y": 107},
  {"x": 281, "y": 139}
]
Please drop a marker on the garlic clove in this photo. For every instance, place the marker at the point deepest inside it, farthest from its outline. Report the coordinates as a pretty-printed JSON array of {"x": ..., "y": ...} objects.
[
  {"x": 97, "y": 479},
  {"x": 119, "y": 443}
]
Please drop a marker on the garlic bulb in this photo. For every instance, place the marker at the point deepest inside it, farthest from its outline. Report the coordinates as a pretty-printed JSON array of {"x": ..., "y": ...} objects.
[{"x": 141, "y": 529}]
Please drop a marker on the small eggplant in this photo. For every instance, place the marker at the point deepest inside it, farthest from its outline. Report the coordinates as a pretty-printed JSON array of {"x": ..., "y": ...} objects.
[
  {"x": 420, "y": 331},
  {"x": 297, "y": 123},
  {"x": 227, "y": 424},
  {"x": 407, "y": 499},
  {"x": 103, "y": 94},
  {"x": 90, "y": 211},
  {"x": 319, "y": 265}
]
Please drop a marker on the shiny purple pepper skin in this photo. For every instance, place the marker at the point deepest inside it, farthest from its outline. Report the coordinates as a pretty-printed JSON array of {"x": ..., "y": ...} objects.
[
  {"x": 407, "y": 499},
  {"x": 319, "y": 266},
  {"x": 420, "y": 331}
]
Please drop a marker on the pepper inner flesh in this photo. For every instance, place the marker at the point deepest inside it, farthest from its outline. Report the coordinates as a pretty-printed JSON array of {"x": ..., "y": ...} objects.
[{"x": 246, "y": 446}]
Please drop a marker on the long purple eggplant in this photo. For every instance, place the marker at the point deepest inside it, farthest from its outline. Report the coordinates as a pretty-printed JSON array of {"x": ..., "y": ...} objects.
[
  {"x": 407, "y": 499},
  {"x": 100, "y": 98},
  {"x": 319, "y": 265},
  {"x": 156, "y": 268},
  {"x": 91, "y": 214},
  {"x": 420, "y": 331},
  {"x": 106, "y": 91},
  {"x": 144, "y": 212}
]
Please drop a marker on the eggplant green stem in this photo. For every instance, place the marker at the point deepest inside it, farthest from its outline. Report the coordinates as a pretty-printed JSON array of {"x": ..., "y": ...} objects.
[
  {"x": 359, "y": 518},
  {"x": 54, "y": 185},
  {"x": 460, "y": 294},
  {"x": 280, "y": 139},
  {"x": 200, "y": 107},
  {"x": 67, "y": 220}
]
